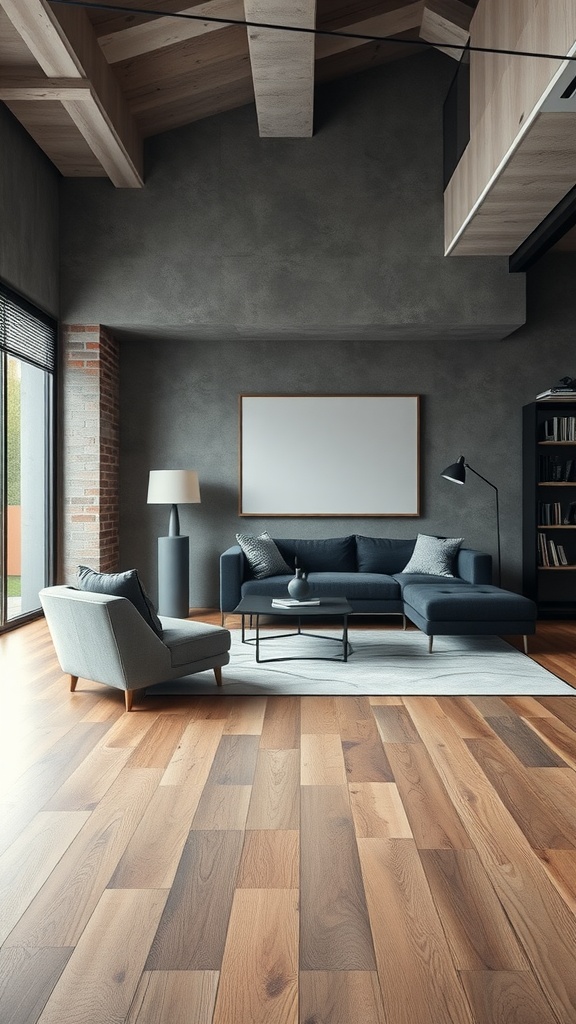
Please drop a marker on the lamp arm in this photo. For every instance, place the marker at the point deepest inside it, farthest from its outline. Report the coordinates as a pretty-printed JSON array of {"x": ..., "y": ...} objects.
[
  {"x": 476, "y": 473},
  {"x": 490, "y": 484}
]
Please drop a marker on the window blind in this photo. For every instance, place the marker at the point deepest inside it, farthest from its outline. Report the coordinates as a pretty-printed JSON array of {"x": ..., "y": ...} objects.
[{"x": 25, "y": 331}]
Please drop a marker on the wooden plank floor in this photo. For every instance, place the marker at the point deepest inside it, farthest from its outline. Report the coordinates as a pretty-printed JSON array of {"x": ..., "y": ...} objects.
[{"x": 284, "y": 860}]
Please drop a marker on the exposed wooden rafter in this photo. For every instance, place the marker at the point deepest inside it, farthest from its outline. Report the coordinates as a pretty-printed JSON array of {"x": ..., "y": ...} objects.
[
  {"x": 162, "y": 32},
  {"x": 447, "y": 21},
  {"x": 283, "y": 67},
  {"x": 391, "y": 23},
  {"x": 65, "y": 47}
]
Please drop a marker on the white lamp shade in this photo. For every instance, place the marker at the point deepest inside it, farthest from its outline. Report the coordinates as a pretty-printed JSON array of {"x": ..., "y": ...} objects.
[{"x": 173, "y": 487}]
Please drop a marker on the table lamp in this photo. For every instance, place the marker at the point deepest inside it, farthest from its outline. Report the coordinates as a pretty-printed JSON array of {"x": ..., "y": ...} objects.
[{"x": 173, "y": 487}]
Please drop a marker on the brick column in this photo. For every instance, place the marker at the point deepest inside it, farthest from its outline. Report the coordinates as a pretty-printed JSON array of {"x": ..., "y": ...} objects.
[{"x": 90, "y": 450}]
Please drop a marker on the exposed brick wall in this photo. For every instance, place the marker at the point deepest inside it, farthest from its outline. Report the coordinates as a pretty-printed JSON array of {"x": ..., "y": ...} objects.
[{"x": 90, "y": 449}]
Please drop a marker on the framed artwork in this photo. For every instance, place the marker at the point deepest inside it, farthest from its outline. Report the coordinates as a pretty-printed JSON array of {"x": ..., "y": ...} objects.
[{"x": 329, "y": 455}]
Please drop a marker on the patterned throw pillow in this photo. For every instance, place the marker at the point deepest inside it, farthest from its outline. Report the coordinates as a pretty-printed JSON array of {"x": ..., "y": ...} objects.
[
  {"x": 121, "y": 584},
  {"x": 434, "y": 556},
  {"x": 263, "y": 556}
]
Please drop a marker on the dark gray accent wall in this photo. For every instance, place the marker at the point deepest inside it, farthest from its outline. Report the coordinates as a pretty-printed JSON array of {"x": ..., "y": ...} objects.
[
  {"x": 28, "y": 216},
  {"x": 179, "y": 409},
  {"x": 336, "y": 236}
]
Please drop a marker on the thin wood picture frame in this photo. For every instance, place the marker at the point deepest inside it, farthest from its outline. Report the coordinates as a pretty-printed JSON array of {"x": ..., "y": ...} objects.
[{"x": 329, "y": 455}]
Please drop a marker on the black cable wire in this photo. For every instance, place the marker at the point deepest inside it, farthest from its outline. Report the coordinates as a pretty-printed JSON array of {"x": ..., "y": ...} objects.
[{"x": 93, "y": 5}]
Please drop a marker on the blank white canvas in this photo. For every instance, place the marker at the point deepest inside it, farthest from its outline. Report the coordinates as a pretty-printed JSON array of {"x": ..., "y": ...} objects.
[{"x": 329, "y": 455}]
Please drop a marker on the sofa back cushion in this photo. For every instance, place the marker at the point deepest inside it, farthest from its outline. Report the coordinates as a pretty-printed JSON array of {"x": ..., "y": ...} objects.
[
  {"x": 382, "y": 555},
  {"x": 336, "y": 554}
]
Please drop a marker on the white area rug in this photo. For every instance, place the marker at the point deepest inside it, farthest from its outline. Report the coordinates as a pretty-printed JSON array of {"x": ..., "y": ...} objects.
[{"x": 384, "y": 662}]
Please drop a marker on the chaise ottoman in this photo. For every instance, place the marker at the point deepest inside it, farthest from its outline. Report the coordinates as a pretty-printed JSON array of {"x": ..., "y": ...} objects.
[{"x": 472, "y": 610}]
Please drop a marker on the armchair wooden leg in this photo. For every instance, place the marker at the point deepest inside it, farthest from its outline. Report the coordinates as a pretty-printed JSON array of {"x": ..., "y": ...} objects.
[
  {"x": 73, "y": 681},
  {"x": 128, "y": 697},
  {"x": 218, "y": 674}
]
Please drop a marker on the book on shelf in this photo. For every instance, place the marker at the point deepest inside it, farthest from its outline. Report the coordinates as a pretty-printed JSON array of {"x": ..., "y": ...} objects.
[
  {"x": 570, "y": 517},
  {"x": 292, "y": 602},
  {"x": 562, "y": 554}
]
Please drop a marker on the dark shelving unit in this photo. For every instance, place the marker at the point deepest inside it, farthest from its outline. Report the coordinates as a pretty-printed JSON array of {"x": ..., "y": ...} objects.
[{"x": 547, "y": 461}]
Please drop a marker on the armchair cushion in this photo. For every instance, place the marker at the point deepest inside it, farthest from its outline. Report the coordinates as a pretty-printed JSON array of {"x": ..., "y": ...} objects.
[{"x": 121, "y": 584}]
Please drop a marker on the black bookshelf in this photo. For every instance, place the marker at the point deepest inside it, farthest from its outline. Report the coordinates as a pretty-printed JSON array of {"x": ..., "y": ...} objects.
[{"x": 549, "y": 507}]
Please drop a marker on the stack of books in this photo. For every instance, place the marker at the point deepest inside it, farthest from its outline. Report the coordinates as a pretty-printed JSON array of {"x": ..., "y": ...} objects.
[
  {"x": 291, "y": 602},
  {"x": 560, "y": 393}
]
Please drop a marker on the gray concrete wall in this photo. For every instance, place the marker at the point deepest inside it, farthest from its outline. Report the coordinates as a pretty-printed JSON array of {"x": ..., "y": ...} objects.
[
  {"x": 179, "y": 409},
  {"x": 337, "y": 236},
  {"x": 28, "y": 216}
]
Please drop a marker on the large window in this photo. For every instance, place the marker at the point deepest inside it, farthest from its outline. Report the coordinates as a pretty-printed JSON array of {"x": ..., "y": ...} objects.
[{"x": 27, "y": 357}]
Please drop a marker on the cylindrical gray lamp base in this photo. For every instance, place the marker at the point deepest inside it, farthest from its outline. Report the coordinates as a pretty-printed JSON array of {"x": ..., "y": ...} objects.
[{"x": 173, "y": 576}]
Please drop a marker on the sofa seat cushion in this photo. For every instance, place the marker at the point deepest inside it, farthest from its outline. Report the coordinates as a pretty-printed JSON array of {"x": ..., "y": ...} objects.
[
  {"x": 407, "y": 579},
  {"x": 470, "y": 603},
  {"x": 367, "y": 585},
  {"x": 189, "y": 642}
]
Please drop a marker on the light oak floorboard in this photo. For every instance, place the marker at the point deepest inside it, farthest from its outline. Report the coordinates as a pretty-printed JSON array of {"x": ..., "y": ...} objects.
[
  {"x": 174, "y": 997},
  {"x": 259, "y": 978},
  {"x": 102, "y": 975},
  {"x": 26, "y": 865},
  {"x": 270, "y": 860},
  {"x": 275, "y": 800}
]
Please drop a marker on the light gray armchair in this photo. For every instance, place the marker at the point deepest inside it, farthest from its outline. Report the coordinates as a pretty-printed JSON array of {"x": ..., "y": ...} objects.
[{"x": 105, "y": 639}]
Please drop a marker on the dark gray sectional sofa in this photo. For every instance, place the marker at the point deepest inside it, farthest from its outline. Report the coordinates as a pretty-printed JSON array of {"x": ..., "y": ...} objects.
[{"x": 365, "y": 570}]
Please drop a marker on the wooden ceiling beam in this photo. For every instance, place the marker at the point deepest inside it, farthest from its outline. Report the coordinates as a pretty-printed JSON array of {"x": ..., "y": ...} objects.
[
  {"x": 283, "y": 67},
  {"x": 50, "y": 89},
  {"x": 156, "y": 35},
  {"x": 65, "y": 47},
  {"x": 389, "y": 24},
  {"x": 447, "y": 21}
]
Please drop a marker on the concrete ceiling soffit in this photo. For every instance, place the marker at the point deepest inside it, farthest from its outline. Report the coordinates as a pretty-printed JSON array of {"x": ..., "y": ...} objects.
[{"x": 74, "y": 74}]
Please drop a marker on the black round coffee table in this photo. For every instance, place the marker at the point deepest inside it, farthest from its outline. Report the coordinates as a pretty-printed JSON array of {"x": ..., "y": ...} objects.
[{"x": 328, "y": 607}]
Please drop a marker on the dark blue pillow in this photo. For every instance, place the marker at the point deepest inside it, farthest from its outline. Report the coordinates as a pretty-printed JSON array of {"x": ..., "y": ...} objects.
[
  {"x": 383, "y": 555},
  {"x": 336, "y": 554},
  {"x": 121, "y": 584}
]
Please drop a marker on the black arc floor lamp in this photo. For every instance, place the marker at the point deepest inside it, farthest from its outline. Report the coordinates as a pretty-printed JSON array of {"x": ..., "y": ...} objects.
[{"x": 456, "y": 473}]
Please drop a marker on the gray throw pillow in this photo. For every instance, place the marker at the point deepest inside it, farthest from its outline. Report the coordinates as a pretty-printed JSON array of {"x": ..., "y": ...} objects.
[
  {"x": 121, "y": 584},
  {"x": 263, "y": 556},
  {"x": 434, "y": 556}
]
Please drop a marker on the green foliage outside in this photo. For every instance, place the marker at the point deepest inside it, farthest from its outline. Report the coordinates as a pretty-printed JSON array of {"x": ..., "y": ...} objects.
[
  {"x": 14, "y": 589},
  {"x": 13, "y": 439}
]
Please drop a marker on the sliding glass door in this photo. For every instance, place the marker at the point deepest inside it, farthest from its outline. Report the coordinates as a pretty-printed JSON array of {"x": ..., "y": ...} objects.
[{"x": 27, "y": 349}]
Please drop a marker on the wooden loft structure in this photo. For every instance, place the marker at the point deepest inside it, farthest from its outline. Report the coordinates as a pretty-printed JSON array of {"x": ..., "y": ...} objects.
[{"x": 90, "y": 84}]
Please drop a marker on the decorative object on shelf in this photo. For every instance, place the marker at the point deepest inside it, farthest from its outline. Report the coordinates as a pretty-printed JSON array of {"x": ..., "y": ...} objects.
[
  {"x": 299, "y": 586},
  {"x": 173, "y": 487},
  {"x": 456, "y": 473},
  {"x": 564, "y": 390}
]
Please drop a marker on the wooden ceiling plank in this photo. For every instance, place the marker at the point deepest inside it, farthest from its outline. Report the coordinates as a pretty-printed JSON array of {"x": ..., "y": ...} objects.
[
  {"x": 65, "y": 46},
  {"x": 391, "y": 23},
  {"x": 283, "y": 67},
  {"x": 49, "y": 89},
  {"x": 156, "y": 35},
  {"x": 447, "y": 21}
]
